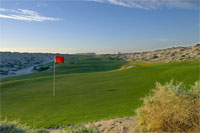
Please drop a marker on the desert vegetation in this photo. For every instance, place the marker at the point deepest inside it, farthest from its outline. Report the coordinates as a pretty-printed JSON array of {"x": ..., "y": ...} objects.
[
  {"x": 81, "y": 128},
  {"x": 175, "y": 54},
  {"x": 16, "y": 127},
  {"x": 171, "y": 108},
  {"x": 13, "y": 63}
]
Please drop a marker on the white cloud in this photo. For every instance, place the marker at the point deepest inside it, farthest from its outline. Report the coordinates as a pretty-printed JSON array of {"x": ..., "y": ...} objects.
[
  {"x": 3, "y": 10},
  {"x": 153, "y": 4},
  {"x": 25, "y": 15}
]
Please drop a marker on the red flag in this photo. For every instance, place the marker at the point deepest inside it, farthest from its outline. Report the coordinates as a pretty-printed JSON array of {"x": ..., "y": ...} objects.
[{"x": 59, "y": 59}]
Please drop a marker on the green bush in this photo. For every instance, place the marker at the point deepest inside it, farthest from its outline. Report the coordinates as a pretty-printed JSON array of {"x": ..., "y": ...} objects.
[
  {"x": 173, "y": 54},
  {"x": 15, "y": 127},
  {"x": 154, "y": 56},
  {"x": 171, "y": 108},
  {"x": 183, "y": 55}
]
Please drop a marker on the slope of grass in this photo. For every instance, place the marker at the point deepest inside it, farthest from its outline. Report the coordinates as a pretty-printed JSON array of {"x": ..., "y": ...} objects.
[
  {"x": 83, "y": 97},
  {"x": 80, "y": 64}
]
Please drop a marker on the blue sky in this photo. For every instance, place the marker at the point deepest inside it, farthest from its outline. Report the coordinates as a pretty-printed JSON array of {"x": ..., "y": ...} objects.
[{"x": 101, "y": 26}]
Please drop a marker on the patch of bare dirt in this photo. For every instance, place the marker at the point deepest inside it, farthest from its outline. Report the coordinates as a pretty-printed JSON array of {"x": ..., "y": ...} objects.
[{"x": 116, "y": 125}]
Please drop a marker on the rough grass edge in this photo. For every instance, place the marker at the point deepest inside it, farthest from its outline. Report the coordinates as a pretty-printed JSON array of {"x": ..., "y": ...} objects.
[{"x": 16, "y": 127}]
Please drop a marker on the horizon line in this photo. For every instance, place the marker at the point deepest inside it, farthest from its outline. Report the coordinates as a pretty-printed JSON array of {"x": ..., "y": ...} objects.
[{"x": 39, "y": 52}]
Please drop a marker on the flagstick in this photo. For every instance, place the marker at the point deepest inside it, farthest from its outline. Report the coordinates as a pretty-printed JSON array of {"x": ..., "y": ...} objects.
[{"x": 54, "y": 77}]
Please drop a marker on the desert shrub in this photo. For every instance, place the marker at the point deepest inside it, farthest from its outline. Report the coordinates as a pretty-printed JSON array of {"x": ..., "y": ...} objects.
[
  {"x": 154, "y": 56},
  {"x": 80, "y": 128},
  {"x": 183, "y": 55},
  {"x": 16, "y": 127},
  {"x": 173, "y": 54},
  {"x": 170, "y": 108}
]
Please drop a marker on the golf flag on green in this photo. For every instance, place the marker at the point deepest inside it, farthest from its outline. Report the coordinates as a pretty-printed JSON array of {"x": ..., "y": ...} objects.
[
  {"x": 60, "y": 59},
  {"x": 57, "y": 59}
]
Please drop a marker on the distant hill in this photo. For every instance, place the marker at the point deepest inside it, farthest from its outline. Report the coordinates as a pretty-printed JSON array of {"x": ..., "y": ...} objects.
[
  {"x": 174, "y": 54},
  {"x": 14, "y": 63}
]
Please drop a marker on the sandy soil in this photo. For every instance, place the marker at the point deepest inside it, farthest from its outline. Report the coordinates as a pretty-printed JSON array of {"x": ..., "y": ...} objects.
[{"x": 117, "y": 125}]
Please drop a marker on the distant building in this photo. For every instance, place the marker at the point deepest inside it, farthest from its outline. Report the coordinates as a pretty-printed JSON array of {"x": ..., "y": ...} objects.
[
  {"x": 85, "y": 54},
  {"x": 117, "y": 53}
]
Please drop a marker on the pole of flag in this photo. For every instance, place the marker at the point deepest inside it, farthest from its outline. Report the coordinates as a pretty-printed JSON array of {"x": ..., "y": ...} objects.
[
  {"x": 54, "y": 83},
  {"x": 57, "y": 59}
]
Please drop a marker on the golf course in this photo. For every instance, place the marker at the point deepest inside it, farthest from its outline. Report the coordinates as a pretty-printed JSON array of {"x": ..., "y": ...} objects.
[{"x": 87, "y": 89}]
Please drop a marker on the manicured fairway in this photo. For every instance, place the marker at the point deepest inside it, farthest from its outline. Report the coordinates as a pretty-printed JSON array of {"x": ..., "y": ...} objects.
[{"x": 88, "y": 96}]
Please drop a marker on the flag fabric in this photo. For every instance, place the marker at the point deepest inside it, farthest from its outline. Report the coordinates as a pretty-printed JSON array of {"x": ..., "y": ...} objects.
[{"x": 59, "y": 59}]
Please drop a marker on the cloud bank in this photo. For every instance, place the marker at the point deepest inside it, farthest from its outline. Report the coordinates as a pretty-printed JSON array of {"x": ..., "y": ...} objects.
[
  {"x": 153, "y": 4},
  {"x": 25, "y": 15}
]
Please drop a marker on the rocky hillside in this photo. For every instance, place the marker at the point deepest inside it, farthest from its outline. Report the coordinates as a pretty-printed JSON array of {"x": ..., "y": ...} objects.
[
  {"x": 14, "y": 63},
  {"x": 175, "y": 54}
]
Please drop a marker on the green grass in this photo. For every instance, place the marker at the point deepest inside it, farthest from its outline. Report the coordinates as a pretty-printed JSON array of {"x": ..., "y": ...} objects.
[
  {"x": 88, "y": 93},
  {"x": 80, "y": 64}
]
